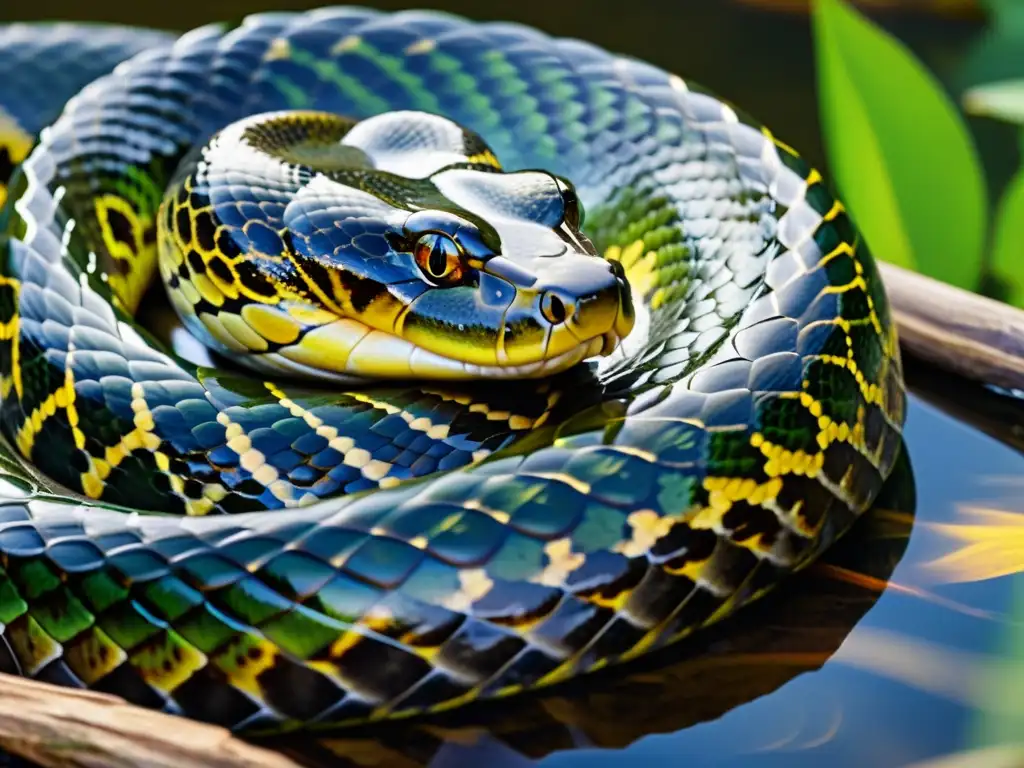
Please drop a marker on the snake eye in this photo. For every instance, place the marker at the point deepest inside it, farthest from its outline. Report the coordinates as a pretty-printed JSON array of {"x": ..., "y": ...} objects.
[{"x": 439, "y": 258}]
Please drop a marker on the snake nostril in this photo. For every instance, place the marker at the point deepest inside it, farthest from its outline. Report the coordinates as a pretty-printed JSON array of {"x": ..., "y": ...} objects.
[{"x": 554, "y": 308}]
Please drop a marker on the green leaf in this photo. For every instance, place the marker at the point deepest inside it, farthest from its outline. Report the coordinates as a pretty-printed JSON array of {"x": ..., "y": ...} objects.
[
  {"x": 903, "y": 159},
  {"x": 1005, "y": 14},
  {"x": 1008, "y": 243},
  {"x": 1004, "y": 100}
]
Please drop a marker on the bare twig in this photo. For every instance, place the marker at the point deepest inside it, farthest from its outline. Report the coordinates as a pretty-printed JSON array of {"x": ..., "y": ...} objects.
[{"x": 967, "y": 334}]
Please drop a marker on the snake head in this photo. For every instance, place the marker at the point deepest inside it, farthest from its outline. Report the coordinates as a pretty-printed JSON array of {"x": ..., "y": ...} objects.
[
  {"x": 390, "y": 248},
  {"x": 537, "y": 297}
]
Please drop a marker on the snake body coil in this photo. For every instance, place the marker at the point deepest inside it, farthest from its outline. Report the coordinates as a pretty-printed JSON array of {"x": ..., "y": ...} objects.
[{"x": 441, "y": 542}]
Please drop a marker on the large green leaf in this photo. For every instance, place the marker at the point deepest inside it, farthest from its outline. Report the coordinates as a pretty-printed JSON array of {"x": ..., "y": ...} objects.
[
  {"x": 1008, "y": 244},
  {"x": 903, "y": 159}
]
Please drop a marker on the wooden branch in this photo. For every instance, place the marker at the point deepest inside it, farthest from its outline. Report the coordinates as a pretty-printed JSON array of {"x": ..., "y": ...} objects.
[
  {"x": 970, "y": 335},
  {"x": 67, "y": 728}
]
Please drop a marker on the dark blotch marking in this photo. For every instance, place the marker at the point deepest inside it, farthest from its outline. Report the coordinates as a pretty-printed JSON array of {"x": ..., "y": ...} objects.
[
  {"x": 817, "y": 500},
  {"x": 193, "y": 488},
  {"x": 683, "y": 544},
  {"x": 764, "y": 575},
  {"x": 195, "y": 261},
  {"x": 220, "y": 268},
  {"x": 747, "y": 521},
  {"x": 819, "y": 198},
  {"x": 874, "y": 426},
  {"x": 80, "y": 461},
  {"x": 57, "y": 673},
  {"x": 207, "y": 696},
  {"x": 297, "y": 691},
  {"x": 126, "y": 682},
  {"x": 432, "y": 691},
  {"x": 6, "y": 165},
  {"x": 317, "y": 274},
  {"x": 361, "y": 290},
  {"x": 8, "y": 662},
  {"x": 120, "y": 227},
  {"x": 206, "y": 232},
  {"x": 184, "y": 222},
  {"x": 227, "y": 244},
  {"x": 161, "y": 483},
  {"x": 256, "y": 282}
]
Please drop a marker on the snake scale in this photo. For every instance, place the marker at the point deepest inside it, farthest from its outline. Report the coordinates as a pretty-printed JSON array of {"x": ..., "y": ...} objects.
[{"x": 414, "y": 543}]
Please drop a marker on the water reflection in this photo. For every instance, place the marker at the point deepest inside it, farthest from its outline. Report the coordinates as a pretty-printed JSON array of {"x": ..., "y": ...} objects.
[{"x": 794, "y": 630}]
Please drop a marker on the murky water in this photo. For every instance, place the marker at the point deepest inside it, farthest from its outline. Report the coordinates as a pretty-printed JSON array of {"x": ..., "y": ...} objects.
[{"x": 833, "y": 670}]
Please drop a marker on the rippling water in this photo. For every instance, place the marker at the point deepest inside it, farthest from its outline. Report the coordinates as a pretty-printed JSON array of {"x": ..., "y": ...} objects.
[{"x": 839, "y": 668}]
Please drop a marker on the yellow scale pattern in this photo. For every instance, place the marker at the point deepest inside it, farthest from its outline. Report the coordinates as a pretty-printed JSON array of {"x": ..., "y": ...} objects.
[
  {"x": 307, "y": 325},
  {"x": 62, "y": 399},
  {"x": 10, "y": 332},
  {"x": 648, "y": 526},
  {"x": 131, "y": 245},
  {"x": 16, "y": 142},
  {"x": 725, "y": 491},
  {"x": 259, "y": 322},
  {"x": 134, "y": 261}
]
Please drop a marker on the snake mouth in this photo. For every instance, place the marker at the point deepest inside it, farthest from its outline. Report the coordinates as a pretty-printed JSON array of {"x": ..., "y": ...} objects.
[{"x": 347, "y": 351}]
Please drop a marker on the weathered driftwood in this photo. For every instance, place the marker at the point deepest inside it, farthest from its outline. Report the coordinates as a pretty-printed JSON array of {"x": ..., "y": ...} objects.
[
  {"x": 60, "y": 727},
  {"x": 962, "y": 332},
  {"x": 972, "y": 336}
]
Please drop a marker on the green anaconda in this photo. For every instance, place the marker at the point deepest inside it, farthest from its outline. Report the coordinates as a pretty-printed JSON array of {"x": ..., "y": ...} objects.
[{"x": 369, "y": 219}]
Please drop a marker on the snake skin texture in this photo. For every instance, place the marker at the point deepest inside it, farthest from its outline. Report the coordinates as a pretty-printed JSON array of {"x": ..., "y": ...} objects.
[
  {"x": 44, "y": 65},
  {"x": 492, "y": 539}
]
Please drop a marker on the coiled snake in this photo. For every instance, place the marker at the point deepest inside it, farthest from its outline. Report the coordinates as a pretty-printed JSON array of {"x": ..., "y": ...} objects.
[{"x": 436, "y": 540}]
